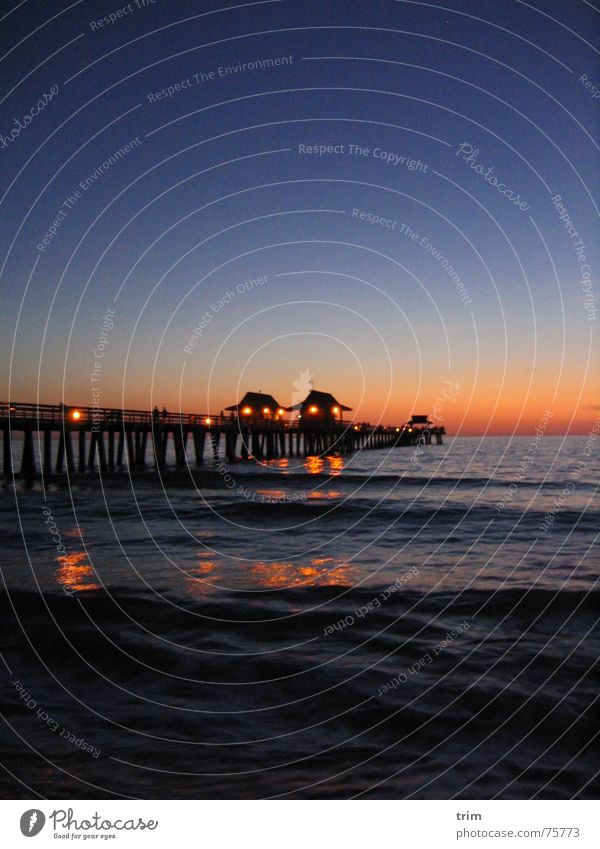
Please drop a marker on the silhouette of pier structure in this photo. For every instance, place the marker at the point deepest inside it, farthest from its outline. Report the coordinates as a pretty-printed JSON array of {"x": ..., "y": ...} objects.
[{"x": 79, "y": 439}]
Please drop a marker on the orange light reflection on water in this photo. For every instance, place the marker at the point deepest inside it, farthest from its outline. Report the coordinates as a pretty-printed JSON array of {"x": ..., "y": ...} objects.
[
  {"x": 336, "y": 464},
  {"x": 319, "y": 572},
  {"x": 202, "y": 579},
  {"x": 280, "y": 463},
  {"x": 75, "y": 572},
  {"x": 273, "y": 495},
  {"x": 314, "y": 465}
]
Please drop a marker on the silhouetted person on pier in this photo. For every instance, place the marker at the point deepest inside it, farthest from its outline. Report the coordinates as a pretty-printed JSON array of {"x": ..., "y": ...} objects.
[
  {"x": 164, "y": 413},
  {"x": 155, "y": 413}
]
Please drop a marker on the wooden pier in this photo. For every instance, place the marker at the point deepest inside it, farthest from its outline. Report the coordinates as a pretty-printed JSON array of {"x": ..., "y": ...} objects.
[{"x": 80, "y": 439}]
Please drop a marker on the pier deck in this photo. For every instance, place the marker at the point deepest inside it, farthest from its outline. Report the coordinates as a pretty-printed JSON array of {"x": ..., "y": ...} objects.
[{"x": 80, "y": 439}]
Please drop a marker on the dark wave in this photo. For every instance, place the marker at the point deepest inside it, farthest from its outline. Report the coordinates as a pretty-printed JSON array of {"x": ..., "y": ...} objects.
[
  {"x": 353, "y": 509},
  {"x": 247, "y": 475},
  {"x": 257, "y": 606},
  {"x": 247, "y": 696}
]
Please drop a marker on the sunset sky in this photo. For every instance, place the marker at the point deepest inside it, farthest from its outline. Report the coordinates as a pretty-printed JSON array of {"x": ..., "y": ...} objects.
[{"x": 235, "y": 257}]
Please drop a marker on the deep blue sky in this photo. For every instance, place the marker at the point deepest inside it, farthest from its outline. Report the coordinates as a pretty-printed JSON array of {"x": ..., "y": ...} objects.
[{"x": 217, "y": 193}]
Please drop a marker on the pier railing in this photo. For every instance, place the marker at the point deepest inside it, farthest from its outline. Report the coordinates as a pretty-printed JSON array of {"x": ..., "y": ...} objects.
[{"x": 76, "y": 413}]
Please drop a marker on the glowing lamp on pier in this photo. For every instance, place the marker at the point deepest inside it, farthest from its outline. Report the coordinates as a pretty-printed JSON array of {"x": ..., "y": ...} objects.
[
  {"x": 75, "y": 415},
  {"x": 266, "y": 411},
  {"x": 335, "y": 410},
  {"x": 313, "y": 409},
  {"x": 247, "y": 411},
  {"x": 207, "y": 420},
  {"x": 280, "y": 412}
]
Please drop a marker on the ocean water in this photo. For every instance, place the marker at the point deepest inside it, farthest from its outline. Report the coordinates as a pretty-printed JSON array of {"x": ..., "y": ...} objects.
[{"x": 412, "y": 623}]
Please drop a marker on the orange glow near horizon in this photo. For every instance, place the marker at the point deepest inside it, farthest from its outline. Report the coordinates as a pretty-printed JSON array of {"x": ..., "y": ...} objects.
[{"x": 492, "y": 398}]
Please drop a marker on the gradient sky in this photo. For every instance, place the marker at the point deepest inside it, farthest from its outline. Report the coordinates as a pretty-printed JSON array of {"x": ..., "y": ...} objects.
[{"x": 216, "y": 193}]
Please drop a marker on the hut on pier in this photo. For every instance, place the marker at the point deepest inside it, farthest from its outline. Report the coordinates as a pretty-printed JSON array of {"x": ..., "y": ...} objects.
[
  {"x": 419, "y": 421},
  {"x": 257, "y": 407},
  {"x": 320, "y": 408}
]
